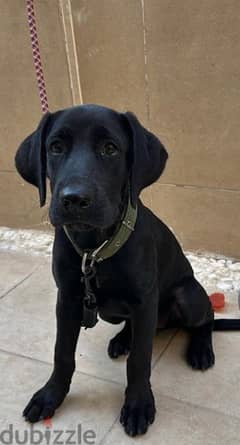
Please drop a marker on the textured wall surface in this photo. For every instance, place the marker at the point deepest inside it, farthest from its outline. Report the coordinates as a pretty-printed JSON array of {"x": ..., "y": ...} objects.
[
  {"x": 20, "y": 107},
  {"x": 175, "y": 64}
]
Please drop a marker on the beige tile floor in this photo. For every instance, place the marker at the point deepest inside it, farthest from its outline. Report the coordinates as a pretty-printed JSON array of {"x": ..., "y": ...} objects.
[{"x": 193, "y": 408}]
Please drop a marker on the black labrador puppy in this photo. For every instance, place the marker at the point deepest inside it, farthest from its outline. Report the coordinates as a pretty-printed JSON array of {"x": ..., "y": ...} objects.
[{"x": 112, "y": 256}]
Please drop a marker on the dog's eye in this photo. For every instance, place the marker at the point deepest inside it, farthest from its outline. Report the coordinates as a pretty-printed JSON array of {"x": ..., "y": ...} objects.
[
  {"x": 56, "y": 148},
  {"x": 109, "y": 149}
]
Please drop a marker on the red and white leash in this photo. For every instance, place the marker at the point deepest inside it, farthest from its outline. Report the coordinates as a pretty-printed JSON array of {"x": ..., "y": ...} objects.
[{"x": 36, "y": 55}]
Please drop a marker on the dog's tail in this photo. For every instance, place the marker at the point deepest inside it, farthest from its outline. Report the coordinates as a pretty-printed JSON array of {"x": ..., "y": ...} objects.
[{"x": 227, "y": 324}]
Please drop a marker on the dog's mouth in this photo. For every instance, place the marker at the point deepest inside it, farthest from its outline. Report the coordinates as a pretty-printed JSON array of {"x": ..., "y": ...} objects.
[
  {"x": 80, "y": 227},
  {"x": 98, "y": 220}
]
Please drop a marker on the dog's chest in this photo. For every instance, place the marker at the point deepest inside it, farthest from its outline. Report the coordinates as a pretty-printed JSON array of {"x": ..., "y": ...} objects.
[
  {"x": 113, "y": 291},
  {"x": 110, "y": 286},
  {"x": 112, "y": 299}
]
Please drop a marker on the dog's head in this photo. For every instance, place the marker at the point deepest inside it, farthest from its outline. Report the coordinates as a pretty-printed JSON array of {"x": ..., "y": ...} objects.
[{"x": 90, "y": 154}]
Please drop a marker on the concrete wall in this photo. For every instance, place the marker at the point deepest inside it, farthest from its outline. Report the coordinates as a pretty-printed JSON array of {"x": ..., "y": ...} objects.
[{"x": 175, "y": 64}]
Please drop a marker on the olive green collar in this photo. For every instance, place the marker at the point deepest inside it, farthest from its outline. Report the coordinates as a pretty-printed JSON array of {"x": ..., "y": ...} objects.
[{"x": 109, "y": 247}]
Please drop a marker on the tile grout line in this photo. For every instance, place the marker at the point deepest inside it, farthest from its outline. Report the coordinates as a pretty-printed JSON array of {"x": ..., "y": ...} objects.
[
  {"x": 71, "y": 51},
  {"x": 102, "y": 379},
  {"x": 102, "y": 441},
  {"x": 18, "y": 284},
  {"x": 7, "y": 171},
  {"x": 200, "y": 187},
  {"x": 77, "y": 371},
  {"x": 195, "y": 405},
  {"x": 145, "y": 54},
  {"x": 190, "y": 404},
  {"x": 164, "y": 349},
  {"x": 178, "y": 399},
  {"x": 15, "y": 354},
  {"x": 167, "y": 396}
]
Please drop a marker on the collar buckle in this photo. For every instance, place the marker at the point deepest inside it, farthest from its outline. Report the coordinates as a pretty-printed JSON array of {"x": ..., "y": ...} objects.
[
  {"x": 128, "y": 224},
  {"x": 93, "y": 257}
]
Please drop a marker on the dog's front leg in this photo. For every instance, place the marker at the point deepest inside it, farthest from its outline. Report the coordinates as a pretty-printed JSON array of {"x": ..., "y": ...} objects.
[
  {"x": 138, "y": 410},
  {"x": 45, "y": 401}
]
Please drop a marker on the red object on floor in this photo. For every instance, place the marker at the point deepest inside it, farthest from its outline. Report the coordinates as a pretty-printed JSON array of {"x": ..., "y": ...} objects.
[
  {"x": 47, "y": 422},
  {"x": 217, "y": 300}
]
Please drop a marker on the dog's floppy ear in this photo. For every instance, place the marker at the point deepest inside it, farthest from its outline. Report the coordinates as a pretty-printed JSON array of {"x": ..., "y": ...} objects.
[
  {"x": 148, "y": 157},
  {"x": 30, "y": 159}
]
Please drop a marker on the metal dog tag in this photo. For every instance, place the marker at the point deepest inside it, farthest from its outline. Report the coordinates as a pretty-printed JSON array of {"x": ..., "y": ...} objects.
[
  {"x": 89, "y": 317},
  {"x": 89, "y": 303}
]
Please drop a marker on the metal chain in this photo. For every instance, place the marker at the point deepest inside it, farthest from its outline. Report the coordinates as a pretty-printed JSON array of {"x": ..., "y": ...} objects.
[{"x": 36, "y": 55}]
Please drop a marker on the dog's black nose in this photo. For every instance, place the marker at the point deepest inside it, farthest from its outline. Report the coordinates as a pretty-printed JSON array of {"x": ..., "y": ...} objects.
[{"x": 74, "y": 199}]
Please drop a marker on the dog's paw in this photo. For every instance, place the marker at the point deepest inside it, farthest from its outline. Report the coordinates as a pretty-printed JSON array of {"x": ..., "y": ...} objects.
[
  {"x": 43, "y": 403},
  {"x": 138, "y": 413},
  {"x": 200, "y": 355},
  {"x": 119, "y": 345}
]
